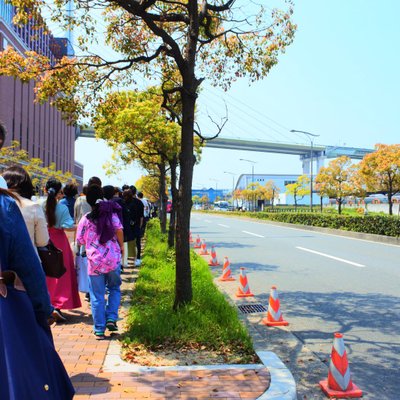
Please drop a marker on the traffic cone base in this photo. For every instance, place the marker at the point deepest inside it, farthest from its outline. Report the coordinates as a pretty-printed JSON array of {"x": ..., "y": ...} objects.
[
  {"x": 354, "y": 392},
  {"x": 239, "y": 294},
  {"x": 231, "y": 278},
  {"x": 265, "y": 321},
  {"x": 211, "y": 263}
]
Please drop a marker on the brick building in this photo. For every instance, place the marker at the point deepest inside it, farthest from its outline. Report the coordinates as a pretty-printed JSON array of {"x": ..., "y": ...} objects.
[{"x": 39, "y": 128}]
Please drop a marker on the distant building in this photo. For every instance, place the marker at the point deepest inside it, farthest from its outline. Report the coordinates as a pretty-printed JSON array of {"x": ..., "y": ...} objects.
[
  {"x": 40, "y": 129},
  {"x": 280, "y": 180},
  {"x": 211, "y": 194}
]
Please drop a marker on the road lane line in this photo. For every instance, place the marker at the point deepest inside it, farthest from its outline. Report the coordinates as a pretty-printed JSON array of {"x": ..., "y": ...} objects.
[
  {"x": 333, "y": 257},
  {"x": 254, "y": 234},
  {"x": 224, "y": 226}
]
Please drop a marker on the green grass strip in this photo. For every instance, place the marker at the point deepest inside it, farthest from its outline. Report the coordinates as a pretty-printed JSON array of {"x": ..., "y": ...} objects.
[{"x": 208, "y": 321}]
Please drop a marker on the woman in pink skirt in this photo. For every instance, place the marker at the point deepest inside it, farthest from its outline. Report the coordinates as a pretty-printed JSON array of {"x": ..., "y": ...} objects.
[{"x": 63, "y": 291}]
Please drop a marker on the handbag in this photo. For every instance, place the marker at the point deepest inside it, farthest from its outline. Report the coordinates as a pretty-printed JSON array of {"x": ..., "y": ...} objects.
[
  {"x": 52, "y": 260},
  {"x": 30, "y": 365}
]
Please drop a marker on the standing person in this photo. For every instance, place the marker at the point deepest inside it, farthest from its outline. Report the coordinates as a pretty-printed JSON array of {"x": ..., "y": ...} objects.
[
  {"x": 30, "y": 366},
  {"x": 146, "y": 211},
  {"x": 3, "y": 184},
  {"x": 63, "y": 291},
  {"x": 129, "y": 221},
  {"x": 70, "y": 191},
  {"x": 19, "y": 182},
  {"x": 81, "y": 206},
  {"x": 101, "y": 233},
  {"x": 137, "y": 211}
]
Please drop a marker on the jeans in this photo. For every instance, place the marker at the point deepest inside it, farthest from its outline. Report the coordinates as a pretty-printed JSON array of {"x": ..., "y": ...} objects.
[{"x": 99, "y": 286}]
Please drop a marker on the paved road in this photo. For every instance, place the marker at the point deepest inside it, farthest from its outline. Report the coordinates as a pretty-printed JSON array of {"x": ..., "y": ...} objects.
[{"x": 326, "y": 284}]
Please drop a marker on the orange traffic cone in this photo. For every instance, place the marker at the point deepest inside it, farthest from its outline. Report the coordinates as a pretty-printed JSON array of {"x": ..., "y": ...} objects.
[
  {"x": 274, "y": 315},
  {"x": 203, "y": 251},
  {"x": 197, "y": 245},
  {"x": 190, "y": 237},
  {"x": 213, "y": 259},
  {"x": 226, "y": 271},
  {"x": 339, "y": 384},
  {"x": 243, "y": 290}
]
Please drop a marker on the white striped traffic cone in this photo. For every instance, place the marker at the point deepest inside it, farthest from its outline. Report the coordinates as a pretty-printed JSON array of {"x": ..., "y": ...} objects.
[
  {"x": 243, "y": 290},
  {"x": 226, "y": 271},
  {"x": 339, "y": 384},
  {"x": 274, "y": 315},
  {"x": 213, "y": 259},
  {"x": 203, "y": 251},
  {"x": 197, "y": 244}
]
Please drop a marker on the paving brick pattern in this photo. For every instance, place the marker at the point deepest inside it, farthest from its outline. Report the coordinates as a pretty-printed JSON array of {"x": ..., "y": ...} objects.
[{"x": 83, "y": 357}]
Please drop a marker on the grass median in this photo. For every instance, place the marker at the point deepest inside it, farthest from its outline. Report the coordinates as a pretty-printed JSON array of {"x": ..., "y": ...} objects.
[{"x": 206, "y": 331}]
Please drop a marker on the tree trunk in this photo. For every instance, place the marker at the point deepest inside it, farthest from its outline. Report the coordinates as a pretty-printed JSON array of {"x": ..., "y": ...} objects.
[
  {"x": 174, "y": 192},
  {"x": 390, "y": 203},
  {"x": 163, "y": 198},
  {"x": 340, "y": 206},
  {"x": 183, "y": 283}
]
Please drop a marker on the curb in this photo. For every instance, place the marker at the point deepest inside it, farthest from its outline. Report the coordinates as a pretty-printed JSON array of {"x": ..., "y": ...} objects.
[{"x": 282, "y": 386}]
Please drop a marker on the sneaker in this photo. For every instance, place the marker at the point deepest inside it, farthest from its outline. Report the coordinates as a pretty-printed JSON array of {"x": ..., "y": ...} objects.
[
  {"x": 99, "y": 335},
  {"x": 111, "y": 326},
  {"x": 138, "y": 262},
  {"x": 58, "y": 315}
]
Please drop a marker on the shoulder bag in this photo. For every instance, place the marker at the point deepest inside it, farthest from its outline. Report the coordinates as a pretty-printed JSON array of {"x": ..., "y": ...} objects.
[{"x": 52, "y": 260}]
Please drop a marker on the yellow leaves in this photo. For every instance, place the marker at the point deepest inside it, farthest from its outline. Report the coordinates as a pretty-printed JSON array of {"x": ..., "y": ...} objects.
[{"x": 34, "y": 166}]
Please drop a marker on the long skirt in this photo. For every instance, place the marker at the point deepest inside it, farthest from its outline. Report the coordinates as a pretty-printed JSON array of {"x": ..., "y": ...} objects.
[
  {"x": 64, "y": 291},
  {"x": 30, "y": 367}
]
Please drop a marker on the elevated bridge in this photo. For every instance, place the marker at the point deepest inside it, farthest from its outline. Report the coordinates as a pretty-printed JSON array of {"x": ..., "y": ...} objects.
[{"x": 319, "y": 152}]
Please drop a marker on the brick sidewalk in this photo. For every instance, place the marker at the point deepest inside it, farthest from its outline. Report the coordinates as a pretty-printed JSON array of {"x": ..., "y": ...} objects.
[{"x": 83, "y": 357}]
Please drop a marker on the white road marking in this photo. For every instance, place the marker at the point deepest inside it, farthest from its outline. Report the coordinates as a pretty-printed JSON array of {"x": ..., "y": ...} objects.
[
  {"x": 333, "y": 257},
  {"x": 224, "y": 226},
  {"x": 208, "y": 221},
  {"x": 254, "y": 234}
]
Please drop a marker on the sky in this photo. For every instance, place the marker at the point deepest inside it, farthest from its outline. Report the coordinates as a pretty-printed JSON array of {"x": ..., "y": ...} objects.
[{"x": 339, "y": 80}]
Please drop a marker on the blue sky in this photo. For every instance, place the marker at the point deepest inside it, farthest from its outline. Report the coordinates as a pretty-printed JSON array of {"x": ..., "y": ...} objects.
[{"x": 339, "y": 79}]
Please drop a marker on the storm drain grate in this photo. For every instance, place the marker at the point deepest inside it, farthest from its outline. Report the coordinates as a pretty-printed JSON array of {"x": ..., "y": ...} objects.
[{"x": 251, "y": 308}]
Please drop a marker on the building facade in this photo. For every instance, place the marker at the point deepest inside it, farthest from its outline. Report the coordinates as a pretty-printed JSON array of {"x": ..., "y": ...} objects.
[
  {"x": 40, "y": 129},
  {"x": 280, "y": 180}
]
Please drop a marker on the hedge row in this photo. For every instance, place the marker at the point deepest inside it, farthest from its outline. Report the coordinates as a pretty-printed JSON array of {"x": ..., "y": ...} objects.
[{"x": 376, "y": 224}]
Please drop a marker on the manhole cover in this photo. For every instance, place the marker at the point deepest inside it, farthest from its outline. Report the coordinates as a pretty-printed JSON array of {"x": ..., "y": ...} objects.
[{"x": 251, "y": 308}]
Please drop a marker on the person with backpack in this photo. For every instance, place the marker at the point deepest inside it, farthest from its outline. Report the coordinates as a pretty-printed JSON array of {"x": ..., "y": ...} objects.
[{"x": 100, "y": 231}]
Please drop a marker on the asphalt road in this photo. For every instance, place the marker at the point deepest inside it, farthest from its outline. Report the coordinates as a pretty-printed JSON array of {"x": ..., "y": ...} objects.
[{"x": 326, "y": 284}]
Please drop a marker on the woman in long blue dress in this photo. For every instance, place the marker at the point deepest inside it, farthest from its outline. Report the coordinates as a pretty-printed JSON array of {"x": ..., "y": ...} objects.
[{"x": 30, "y": 367}]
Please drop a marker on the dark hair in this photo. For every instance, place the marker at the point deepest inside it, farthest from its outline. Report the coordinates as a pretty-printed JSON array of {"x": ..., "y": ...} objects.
[
  {"x": 127, "y": 195},
  {"x": 94, "y": 180},
  {"x": 125, "y": 187},
  {"x": 133, "y": 189},
  {"x": 84, "y": 189},
  {"x": 70, "y": 190},
  {"x": 140, "y": 195},
  {"x": 94, "y": 193},
  {"x": 53, "y": 187},
  {"x": 108, "y": 192},
  {"x": 18, "y": 180},
  {"x": 3, "y": 134}
]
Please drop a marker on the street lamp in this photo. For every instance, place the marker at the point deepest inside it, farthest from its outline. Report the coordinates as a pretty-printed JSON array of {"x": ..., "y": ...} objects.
[
  {"x": 311, "y": 137},
  {"x": 216, "y": 187},
  {"x": 252, "y": 177},
  {"x": 233, "y": 184}
]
